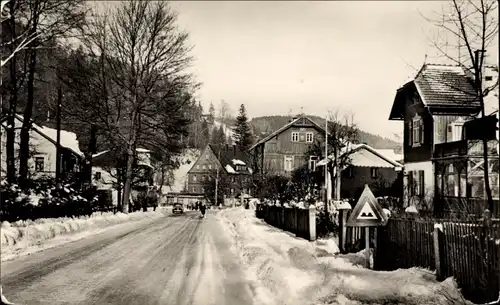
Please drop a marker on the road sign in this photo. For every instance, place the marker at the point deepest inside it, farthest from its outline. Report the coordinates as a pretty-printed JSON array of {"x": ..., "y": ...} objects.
[{"x": 367, "y": 212}]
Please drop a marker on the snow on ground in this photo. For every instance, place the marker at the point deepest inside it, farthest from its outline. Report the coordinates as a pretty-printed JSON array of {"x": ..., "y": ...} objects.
[
  {"x": 290, "y": 270},
  {"x": 228, "y": 130},
  {"x": 25, "y": 237}
]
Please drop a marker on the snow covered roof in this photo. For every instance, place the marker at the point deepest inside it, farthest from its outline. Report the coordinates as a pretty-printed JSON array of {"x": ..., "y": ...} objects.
[
  {"x": 391, "y": 154},
  {"x": 68, "y": 139},
  {"x": 238, "y": 162},
  {"x": 229, "y": 169},
  {"x": 229, "y": 156},
  {"x": 363, "y": 155}
]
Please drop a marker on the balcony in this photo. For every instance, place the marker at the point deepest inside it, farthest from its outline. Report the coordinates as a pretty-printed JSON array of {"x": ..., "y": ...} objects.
[{"x": 464, "y": 148}]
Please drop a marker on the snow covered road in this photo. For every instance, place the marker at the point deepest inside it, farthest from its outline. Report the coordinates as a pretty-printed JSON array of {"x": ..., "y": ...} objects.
[{"x": 173, "y": 260}]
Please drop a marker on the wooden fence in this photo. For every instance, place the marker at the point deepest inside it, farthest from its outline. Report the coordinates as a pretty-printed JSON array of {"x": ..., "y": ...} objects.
[
  {"x": 294, "y": 220},
  {"x": 467, "y": 251}
]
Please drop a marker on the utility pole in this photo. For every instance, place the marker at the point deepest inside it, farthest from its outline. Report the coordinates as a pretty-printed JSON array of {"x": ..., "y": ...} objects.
[
  {"x": 217, "y": 179},
  {"x": 326, "y": 165},
  {"x": 58, "y": 147}
]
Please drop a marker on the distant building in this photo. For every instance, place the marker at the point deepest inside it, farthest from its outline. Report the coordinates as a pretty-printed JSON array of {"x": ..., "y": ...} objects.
[
  {"x": 231, "y": 164},
  {"x": 285, "y": 149},
  {"x": 367, "y": 166}
]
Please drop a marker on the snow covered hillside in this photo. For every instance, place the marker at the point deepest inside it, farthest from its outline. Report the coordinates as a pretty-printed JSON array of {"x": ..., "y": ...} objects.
[
  {"x": 178, "y": 177},
  {"x": 227, "y": 129}
]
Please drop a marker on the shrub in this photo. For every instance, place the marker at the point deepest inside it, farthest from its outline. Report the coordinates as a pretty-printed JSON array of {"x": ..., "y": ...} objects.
[{"x": 325, "y": 226}]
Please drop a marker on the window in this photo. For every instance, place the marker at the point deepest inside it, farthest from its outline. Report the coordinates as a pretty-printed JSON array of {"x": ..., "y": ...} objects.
[
  {"x": 309, "y": 137},
  {"x": 206, "y": 156},
  {"x": 288, "y": 166},
  {"x": 198, "y": 166},
  {"x": 97, "y": 175},
  {"x": 232, "y": 179},
  {"x": 488, "y": 78},
  {"x": 39, "y": 164},
  {"x": 194, "y": 189},
  {"x": 312, "y": 163},
  {"x": 210, "y": 166},
  {"x": 204, "y": 166},
  {"x": 416, "y": 131},
  {"x": 232, "y": 191},
  {"x": 295, "y": 137},
  {"x": 374, "y": 172},
  {"x": 204, "y": 178},
  {"x": 202, "y": 189},
  {"x": 194, "y": 178}
]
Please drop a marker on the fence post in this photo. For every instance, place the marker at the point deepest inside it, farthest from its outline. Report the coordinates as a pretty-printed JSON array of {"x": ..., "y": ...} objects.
[
  {"x": 312, "y": 222},
  {"x": 283, "y": 226},
  {"x": 438, "y": 232}
]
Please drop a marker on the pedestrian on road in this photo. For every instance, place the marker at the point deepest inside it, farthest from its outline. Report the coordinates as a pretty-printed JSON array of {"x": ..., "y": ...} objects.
[{"x": 202, "y": 208}]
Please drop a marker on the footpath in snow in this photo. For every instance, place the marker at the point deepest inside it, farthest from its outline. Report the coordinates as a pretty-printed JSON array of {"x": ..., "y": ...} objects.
[
  {"x": 289, "y": 270},
  {"x": 26, "y": 237}
]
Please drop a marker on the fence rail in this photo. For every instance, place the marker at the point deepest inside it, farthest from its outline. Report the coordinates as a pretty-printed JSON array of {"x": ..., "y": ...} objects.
[
  {"x": 469, "y": 252},
  {"x": 294, "y": 220}
]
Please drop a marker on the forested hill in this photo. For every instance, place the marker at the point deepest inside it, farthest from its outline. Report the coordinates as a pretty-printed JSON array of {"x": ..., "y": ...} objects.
[{"x": 265, "y": 125}]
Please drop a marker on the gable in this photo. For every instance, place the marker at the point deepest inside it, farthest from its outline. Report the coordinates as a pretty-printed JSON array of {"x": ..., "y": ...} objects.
[
  {"x": 299, "y": 122},
  {"x": 205, "y": 158}
]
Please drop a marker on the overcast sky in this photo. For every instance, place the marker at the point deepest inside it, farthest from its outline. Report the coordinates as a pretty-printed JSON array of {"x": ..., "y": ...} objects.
[{"x": 276, "y": 57}]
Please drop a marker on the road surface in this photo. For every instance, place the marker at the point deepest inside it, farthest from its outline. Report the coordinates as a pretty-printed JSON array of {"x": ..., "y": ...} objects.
[{"x": 180, "y": 260}]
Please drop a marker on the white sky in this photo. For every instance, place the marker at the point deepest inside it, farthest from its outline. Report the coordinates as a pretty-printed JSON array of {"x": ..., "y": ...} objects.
[{"x": 276, "y": 57}]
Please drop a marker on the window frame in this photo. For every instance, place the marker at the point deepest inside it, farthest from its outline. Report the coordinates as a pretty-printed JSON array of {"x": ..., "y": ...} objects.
[
  {"x": 291, "y": 161},
  {"x": 374, "y": 172},
  {"x": 313, "y": 160},
  {"x": 295, "y": 136},
  {"x": 311, "y": 135},
  {"x": 37, "y": 164}
]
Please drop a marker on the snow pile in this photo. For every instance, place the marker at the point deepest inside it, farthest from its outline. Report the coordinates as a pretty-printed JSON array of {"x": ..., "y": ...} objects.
[
  {"x": 26, "y": 233},
  {"x": 289, "y": 270}
]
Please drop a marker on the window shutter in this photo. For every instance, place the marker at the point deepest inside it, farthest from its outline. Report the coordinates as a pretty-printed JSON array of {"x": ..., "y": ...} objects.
[
  {"x": 410, "y": 183},
  {"x": 421, "y": 181},
  {"x": 410, "y": 133},
  {"x": 422, "y": 131}
]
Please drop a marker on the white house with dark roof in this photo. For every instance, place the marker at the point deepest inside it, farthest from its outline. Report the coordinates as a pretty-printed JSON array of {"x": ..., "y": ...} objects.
[
  {"x": 43, "y": 142},
  {"x": 434, "y": 107},
  {"x": 366, "y": 166}
]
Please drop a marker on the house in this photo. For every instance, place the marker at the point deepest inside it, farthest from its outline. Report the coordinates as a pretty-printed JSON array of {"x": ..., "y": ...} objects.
[
  {"x": 366, "y": 166},
  {"x": 434, "y": 107},
  {"x": 223, "y": 162},
  {"x": 286, "y": 148},
  {"x": 104, "y": 173},
  {"x": 43, "y": 142}
]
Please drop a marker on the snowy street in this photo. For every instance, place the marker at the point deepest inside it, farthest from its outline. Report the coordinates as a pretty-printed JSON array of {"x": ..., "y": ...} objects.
[
  {"x": 173, "y": 260},
  {"x": 230, "y": 257}
]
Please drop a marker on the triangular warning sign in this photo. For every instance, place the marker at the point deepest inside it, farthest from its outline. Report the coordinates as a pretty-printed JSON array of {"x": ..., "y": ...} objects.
[{"x": 367, "y": 212}]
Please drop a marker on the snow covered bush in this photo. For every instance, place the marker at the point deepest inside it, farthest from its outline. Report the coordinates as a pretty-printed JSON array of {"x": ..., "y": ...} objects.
[{"x": 325, "y": 226}]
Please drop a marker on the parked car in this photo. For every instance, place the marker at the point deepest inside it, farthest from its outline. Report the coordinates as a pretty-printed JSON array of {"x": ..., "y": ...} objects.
[{"x": 178, "y": 209}]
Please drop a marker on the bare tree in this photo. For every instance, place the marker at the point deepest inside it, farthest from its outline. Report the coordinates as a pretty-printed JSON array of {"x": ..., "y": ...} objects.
[
  {"x": 139, "y": 61},
  {"x": 474, "y": 25},
  {"x": 342, "y": 133}
]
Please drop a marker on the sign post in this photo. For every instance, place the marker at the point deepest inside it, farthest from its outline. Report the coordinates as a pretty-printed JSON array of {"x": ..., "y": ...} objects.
[{"x": 367, "y": 213}]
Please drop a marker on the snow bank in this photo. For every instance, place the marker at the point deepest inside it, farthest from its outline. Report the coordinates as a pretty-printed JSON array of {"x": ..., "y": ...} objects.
[
  {"x": 289, "y": 270},
  {"x": 24, "y": 234}
]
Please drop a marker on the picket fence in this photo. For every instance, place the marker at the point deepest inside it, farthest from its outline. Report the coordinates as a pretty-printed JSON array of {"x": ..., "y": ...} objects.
[
  {"x": 467, "y": 251},
  {"x": 291, "y": 219}
]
